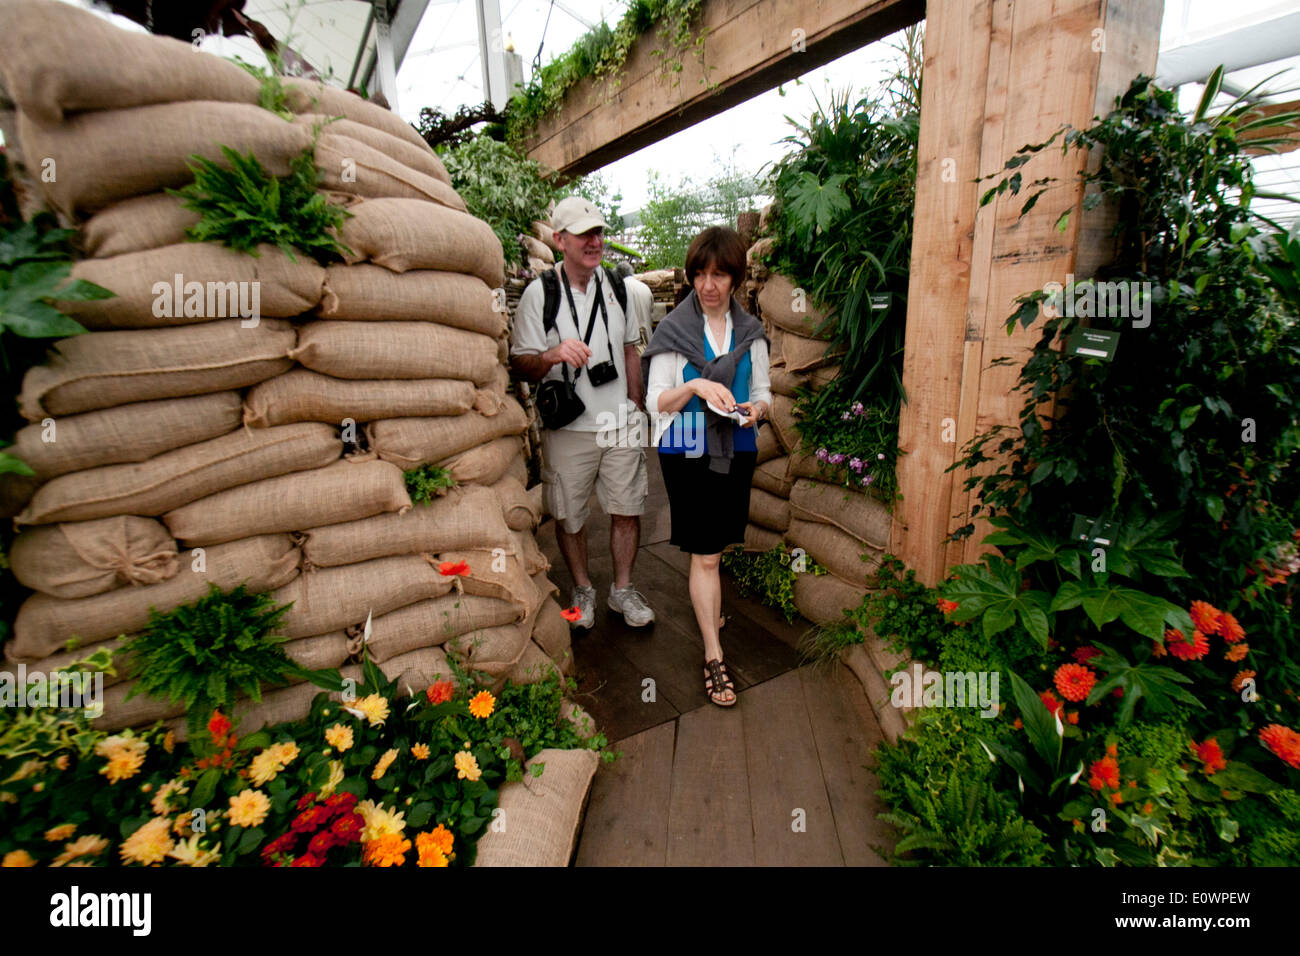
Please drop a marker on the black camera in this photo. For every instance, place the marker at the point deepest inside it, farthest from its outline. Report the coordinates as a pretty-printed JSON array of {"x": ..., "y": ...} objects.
[{"x": 602, "y": 374}]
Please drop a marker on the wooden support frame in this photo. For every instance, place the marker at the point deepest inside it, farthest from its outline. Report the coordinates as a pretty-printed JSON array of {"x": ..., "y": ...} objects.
[{"x": 998, "y": 75}]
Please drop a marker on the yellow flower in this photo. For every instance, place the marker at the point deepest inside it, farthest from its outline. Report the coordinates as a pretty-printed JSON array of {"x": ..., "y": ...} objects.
[
  {"x": 28, "y": 768},
  {"x": 89, "y": 845},
  {"x": 249, "y": 808},
  {"x": 149, "y": 844},
  {"x": 286, "y": 753},
  {"x": 441, "y": 837},
  {"x": 482, "y": 704},
  {"x": 384, "y": 763},
  {"x": 171, "y": 788},
  {"x": 18, "y": 858},
  {"x": 339, "y": 736},
  {"x": 264, "y": 767},
  {"x": 61, "y": 832},
  {"x": 336, "y": 778},
  {"x": 420, "y": 751},
  {"x": 169, "y": 741},
  {"x": 467, "y": 767},
  {"x": 374, "y": 708},
  {"x": 125, "y": 755},
  {"x": 189, "y": 853},
  {"x": 61, "y": 761},
  {"x": 378, "y": 821},
  {"x": 386, "y": 850},
  {"x": 430, "y": 855}
]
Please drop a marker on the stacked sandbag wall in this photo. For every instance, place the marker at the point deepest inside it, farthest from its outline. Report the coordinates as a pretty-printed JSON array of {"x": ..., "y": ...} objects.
[
  {"x": 792, "y": 499},
  {"x": 232, "y": 418}
]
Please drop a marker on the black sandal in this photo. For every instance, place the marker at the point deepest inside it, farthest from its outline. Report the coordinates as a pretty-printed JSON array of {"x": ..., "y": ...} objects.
[{"x": 715, "y": 676}]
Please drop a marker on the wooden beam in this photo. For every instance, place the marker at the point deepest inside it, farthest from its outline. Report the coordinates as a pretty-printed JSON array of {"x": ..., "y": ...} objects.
[
  {"x": 749, "y": 46},
  {"x": 1013, "y": 74}
]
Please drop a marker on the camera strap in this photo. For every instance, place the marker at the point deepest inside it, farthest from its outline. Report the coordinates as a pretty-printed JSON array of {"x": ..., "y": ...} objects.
[{"x": 591, "y": 319}]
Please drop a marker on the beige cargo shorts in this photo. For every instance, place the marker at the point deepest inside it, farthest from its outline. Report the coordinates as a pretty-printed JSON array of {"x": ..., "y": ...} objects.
[{"x": 576, "y": 462}]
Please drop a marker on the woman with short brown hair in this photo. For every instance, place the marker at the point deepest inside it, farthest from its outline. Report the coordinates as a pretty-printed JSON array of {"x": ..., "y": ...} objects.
[{"x": 707, "y": 387}]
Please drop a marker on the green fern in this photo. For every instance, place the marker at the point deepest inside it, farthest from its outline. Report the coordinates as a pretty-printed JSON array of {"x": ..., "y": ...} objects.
[
  {"x": 205, "y": 652},
  {"x": 243, "y": 206},
  {"x": 428, "y": 482}
]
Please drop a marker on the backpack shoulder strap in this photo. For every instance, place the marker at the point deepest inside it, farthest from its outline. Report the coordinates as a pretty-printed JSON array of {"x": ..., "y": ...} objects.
[
  {"x": 619, "y": 287},
  {"x": 551, "y": 299}
]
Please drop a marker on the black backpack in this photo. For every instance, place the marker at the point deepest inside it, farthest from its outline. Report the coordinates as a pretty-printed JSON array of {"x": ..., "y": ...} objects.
[{"x": 550, "y": 280}]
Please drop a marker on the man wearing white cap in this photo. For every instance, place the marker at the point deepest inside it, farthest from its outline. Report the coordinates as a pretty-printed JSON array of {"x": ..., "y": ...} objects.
[{"x": 572, "y": 329}]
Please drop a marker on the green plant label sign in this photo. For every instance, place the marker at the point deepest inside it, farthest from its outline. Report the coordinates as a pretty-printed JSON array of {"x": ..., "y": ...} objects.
[
  {"x": 1093, "y": 530},
  {"x": 1094, "y": 343}
]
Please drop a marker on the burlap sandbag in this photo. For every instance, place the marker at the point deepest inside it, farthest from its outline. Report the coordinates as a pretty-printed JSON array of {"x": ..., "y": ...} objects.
[
  {"x": 320, "y": 652},
  {"x": 777, "y": 302},
  {"x": 768, "y": 511},
  {"x": 785, "y": 382},
  {"x": 332, "y": 599},
  {"x": 823, "y": 598},
  {"x": 311, "y": 96},
  {"x": 347, "y": 490},
  {"x": 805, "y": 466},
  {"x": 367, "y": 292},
  {"x": 104, "y": 156},
  {"x": 411, "y": 442},
  {"x": 775, "y": 349},
  {"x": 516, "y": 504},
  {"x": 783, "y": 422},
  {"x": 406, "y": 234},
  {"x": 419, "y": 668},
  {"x": 127, "y": 433},
  {"x": 420, "y": 158},
  {"x": 833, "y": 549},
  {"x": 428, "y": 623},
  {"x": 135, "y": 224},
  {"x": 350, "y": 166},
  {"x": 57, "y": 59},
  {"x": 178, "y": 477},
  {"x": 862, "y": 516},
  {"x": 819, "y": 378},
  {"x": 374, "y": 350},
  {"x": 464, "y": 518},
  {"x": 534, "y": 666},
  {"x": 493, "y": 573},
  {"x": 44, "y": 623},
  {"x": 769, "y": 446},
  {"x": 534, "y": 561},
  {"x": 803, "y": 354},
  {"x": 518, "y": 470},
  {"x": 106, "y": 369},
  {"x": 543, "y": 815},
  {"x": 537, "y": 249},
  {"x": 545, "y": 587},
  {"x": 301, "y": 395},
  {"x": 82, "y": 558},
  {"x": 771, "y": 476},
  {"x": 485, "y": 464},
  {"x": 546, "y": 234},
  {"x": 760, "y": 539},
  {"x": 490, "y": 650},
  {"x": 217, "y": 283},
  {"x": 141, "y": 710},
  {"x": 552, "y": 634}
]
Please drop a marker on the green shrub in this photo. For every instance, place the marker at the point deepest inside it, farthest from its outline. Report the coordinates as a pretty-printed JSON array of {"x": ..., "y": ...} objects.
[
  {"x": 769, "y": 576},
  {"x": 428, "y": 482}
]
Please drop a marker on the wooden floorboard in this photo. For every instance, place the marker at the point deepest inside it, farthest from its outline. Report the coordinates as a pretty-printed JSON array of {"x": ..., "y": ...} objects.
[
  {"x": 792, "y": 819},
  {"x": 610, "y": 689},
  {"x": 846, "y": 733},
  {"x": 627, "y": 818},
  {"x": 709, "y": 818}
]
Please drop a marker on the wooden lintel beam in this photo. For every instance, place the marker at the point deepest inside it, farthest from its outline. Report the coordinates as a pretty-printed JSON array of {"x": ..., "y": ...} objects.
[{"x": 750, "y": 46}]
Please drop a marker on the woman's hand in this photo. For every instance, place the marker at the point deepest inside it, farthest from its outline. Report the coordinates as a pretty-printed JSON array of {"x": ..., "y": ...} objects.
[
  {"x": 753, "y": 412},
  {"x": 714, "y": 393}
]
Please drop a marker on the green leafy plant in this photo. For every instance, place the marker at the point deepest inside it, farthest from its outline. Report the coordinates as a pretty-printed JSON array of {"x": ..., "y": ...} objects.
[
  {"x": 428, "y": 482},
  {"x": 673, "y": 215},
  {"x": 855, "y": 443},
  {"x": 244, "y": 206},
  {"x": 272, "y": 95},
  {"x": 501, "y": 187},
  {"x": 202, "y": 654},
  {"x": 769, "y": 576}
]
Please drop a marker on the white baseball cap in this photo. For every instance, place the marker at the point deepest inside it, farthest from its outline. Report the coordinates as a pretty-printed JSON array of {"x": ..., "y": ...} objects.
[{"x": 576, "y": 215}]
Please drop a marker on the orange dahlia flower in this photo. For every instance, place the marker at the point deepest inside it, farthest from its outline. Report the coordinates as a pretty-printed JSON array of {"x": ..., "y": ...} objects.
[
  {"x": 1206, "y": 617},
  {"x": 1179, "y": 646},
  {"x": 1239, "y": 681},
  {"x": 1229, "y": 629},
  {"x": 1237, "y": 652},
  {"x": 1074, "y": 681},
  {"x": 1283, "y": 741}
]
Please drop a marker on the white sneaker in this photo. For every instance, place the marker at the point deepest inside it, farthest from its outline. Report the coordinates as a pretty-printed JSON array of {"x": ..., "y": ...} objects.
[
  {"x": 631, "y": 604},
  {"x": 584, "y": 599}
]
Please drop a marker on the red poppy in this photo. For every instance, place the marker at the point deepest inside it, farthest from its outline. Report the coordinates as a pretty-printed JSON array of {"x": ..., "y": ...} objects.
[
  {"x": 571, "y": 614},
  {"x": 448, "y": 569},
  {"x": 441, "y": 691}
]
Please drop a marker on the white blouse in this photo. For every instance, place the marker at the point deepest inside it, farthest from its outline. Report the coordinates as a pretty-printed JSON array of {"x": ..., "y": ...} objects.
[{"x": 667, "y": 371}]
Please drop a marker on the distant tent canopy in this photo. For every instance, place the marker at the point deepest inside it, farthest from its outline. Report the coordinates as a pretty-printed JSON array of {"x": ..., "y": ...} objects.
[{"x": 180, "y": 18}]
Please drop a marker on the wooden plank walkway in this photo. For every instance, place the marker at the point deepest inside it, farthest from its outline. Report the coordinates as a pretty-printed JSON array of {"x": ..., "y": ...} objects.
[{"x": 780, "y": 779}]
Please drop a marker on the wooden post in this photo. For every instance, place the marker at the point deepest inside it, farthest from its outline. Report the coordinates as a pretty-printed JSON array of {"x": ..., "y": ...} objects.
[{"x": 998, "y": 75}]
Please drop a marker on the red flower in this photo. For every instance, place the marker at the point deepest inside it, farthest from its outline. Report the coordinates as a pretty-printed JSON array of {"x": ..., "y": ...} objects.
[
  {"x": 1283, "y": 741},
  {"x": 218, "y": 725},
  {"x": 347, "y": 828},
  {"x": 284, "y": 843},
  {"x": 341, "y": 802},
  {"x": 1086, "y": 653},
  {"x": 1074, "y": 681},
  {"x": 1054, "y": 706},
  {"x": 306, "y": 860},
  {"x": 307, "y": 801},
  {"x": 440, "y": 692},
  {"x": 1210, "y": 754},
  {"x": 1229, "y": 629},
  {"x": 1104, "y": 773},
  {"x": 1179, "y": 646},
  {"x": 1206, "y": 617},
  {"x": 310, "y": 819},
  {"x": 321, "y": 843},
  {"x": 947, "y": 607},
  {"x": 447, "y": 569},
  {"x": 571, "y": 614}
]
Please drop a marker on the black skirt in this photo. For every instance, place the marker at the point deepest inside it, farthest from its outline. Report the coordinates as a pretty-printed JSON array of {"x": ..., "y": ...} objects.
[{"x": 708, "y": 510}]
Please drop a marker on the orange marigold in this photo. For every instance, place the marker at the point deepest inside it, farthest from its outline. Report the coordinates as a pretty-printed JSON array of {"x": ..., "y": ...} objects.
[
  {"x": 1182, "y": 649},
  {"x": 1074, "y": 681},
  {"x": 1283, "y": 741},
  {"x": 1239, "y": 681},
  {"x": 1237, "y": 652},
  {"x": 1210, "y": 754},
  {"x": 1206, "y": 617},
  {"x": 386, "y": 850},
  {"x": 481, "y": 704},
  {"x": 1229, "y": 629}
]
